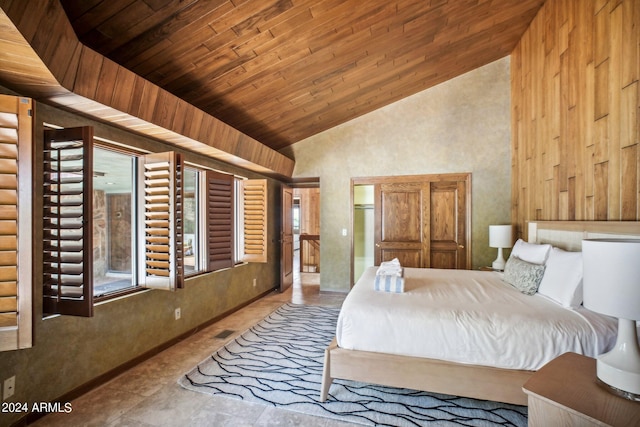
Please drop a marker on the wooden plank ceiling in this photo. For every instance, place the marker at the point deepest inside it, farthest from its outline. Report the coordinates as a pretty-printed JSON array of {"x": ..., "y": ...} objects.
[
  {"x": 283, "y": 70},
  {"x": 40, "y": 57}
]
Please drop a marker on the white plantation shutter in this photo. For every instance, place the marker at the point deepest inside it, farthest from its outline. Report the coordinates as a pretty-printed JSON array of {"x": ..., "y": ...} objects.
[
  {"x": 254, "y": 219},
  {"x": 16, "y": 216},
  {"x": 162, "y": 263},
  {"x": 67, "y": 222}
]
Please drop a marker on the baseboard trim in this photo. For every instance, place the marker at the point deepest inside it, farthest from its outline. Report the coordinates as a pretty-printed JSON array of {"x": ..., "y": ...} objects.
[{"x": 31, "y": 417}]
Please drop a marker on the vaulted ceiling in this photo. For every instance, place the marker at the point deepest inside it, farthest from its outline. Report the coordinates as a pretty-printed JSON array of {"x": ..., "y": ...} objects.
[
  {"x": 282, "y": 70},
  {"x": 239, "y": 80}
]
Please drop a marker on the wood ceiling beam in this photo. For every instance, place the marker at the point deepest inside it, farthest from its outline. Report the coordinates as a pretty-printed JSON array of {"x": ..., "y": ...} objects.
[{"x": 41, "y": 57}]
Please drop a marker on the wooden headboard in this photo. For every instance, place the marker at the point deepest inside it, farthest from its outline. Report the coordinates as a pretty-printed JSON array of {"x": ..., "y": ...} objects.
[{"x": 568, "y": 235}]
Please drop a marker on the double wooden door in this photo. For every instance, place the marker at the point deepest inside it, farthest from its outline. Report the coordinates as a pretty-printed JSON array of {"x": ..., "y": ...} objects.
[{"x": 424, "y": 221}]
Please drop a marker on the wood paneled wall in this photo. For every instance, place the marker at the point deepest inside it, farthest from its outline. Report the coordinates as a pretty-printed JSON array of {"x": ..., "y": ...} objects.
[
  {"x": 309, "y": 225},
  {"x": 575, "y": 113},
  {"x": 309, "y": 209}
]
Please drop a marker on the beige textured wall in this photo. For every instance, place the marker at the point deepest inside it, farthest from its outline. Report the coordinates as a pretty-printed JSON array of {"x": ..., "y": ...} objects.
[{"x": 462, "y": 125}]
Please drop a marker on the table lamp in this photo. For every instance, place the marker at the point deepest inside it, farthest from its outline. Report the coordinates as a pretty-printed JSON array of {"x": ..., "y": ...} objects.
[
  {"x": 500, "y": 236},
  {"x": 611, "y": 286}
]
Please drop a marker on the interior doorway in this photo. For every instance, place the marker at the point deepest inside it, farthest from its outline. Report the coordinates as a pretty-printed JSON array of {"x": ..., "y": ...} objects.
[
  {"x": 363, "y": 229},
  {"x": 306, "y": 233}
]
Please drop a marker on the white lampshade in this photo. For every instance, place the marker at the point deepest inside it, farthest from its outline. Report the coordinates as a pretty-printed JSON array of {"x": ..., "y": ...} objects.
[
  {"x": 500, "y": 236},
  {"x": 611, "y": 286},
  {"x": 611, "y": 278}
]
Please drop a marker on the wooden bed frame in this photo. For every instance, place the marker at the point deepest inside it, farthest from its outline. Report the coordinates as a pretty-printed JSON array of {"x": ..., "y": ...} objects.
[{"x": 479, "y": 382}]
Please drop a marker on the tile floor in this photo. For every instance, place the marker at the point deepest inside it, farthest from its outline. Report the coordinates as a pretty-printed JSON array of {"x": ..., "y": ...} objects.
[{"x": 149, "y": 395}]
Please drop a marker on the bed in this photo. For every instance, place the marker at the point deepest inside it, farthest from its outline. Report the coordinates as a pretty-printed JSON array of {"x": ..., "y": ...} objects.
[{"x": 370, "y": 347}]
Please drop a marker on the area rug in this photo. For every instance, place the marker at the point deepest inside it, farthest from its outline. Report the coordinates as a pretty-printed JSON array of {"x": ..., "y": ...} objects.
[{"x": 278, "y": 362}]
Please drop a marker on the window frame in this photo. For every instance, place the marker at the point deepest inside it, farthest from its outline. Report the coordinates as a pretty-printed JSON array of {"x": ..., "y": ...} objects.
[
  {"x": 142, "y": 280},
  {"x": 199, "y": 240},
  {"x": 134, "y": 155},
  {"x": 237, "y": 254}
]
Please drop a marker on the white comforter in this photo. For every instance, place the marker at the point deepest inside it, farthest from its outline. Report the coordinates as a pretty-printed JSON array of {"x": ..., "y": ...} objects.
[{"x": 469, "y": 317}]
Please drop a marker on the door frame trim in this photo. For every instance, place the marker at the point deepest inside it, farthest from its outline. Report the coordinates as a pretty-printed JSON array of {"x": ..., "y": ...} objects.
[
  {"x": 308, "y": 182},
  {"x": 285, "y": 280},
  {"x": 395, "y": 179}
]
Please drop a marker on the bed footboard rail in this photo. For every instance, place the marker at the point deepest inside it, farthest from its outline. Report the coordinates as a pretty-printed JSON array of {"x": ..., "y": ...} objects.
[{"x": 436, "y": 376}]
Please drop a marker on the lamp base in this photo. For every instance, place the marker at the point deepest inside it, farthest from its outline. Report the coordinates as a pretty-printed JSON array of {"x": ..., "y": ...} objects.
[
  {"x": 499, "y": 262},
  {"x": 619, "y": 369},
  {"x": 621, "y": 393}
]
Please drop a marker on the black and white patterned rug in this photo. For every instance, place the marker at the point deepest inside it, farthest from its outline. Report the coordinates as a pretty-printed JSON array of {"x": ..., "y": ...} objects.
[{"x": 278, "y": 362}]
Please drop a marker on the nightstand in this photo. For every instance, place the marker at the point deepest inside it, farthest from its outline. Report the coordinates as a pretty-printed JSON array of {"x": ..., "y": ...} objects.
[
  {"x": 564, "y": 392},
  {"x": 488, "y": 268}
]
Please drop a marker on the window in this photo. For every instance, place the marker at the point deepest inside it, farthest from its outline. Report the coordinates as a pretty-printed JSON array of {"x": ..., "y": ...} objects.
[
  {"x": 114, "y": 246},
  {"x": 192, "y": 215},
  {"x": 239, "y": 229},
  {"x": 209, "y": 212},
  {"x": 296, "y": 215},
  {"x": 115, "y": 221},
  {"x": 111, "y": 221}
]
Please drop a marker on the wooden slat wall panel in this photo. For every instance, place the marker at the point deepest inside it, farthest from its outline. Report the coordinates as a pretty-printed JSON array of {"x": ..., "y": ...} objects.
[
  {"x": 309, "y": 209},
  {"x": 575, "y": 142}
]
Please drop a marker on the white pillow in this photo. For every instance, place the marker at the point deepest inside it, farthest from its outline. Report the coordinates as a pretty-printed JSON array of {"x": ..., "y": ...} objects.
[
  {"x": 531, "y": 252},
  {"x": 562, "y": 280}
]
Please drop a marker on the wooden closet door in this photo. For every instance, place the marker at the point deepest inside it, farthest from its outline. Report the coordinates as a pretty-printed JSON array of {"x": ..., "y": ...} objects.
[
  {"x": 423, "y": 221},
  {"x": 448, "y": 207},
  {"x": 399, "y": 218}
]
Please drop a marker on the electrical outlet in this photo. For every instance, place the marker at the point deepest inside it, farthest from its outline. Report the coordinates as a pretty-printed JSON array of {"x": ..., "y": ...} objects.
[
  {"x": 9, "y": 388},
  {"x": 254, "y": 282},
  {"x": 178, "y": 313}
]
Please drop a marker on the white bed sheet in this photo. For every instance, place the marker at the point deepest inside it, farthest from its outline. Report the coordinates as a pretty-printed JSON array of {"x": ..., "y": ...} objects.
[{"x": 470, "y": 317}]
